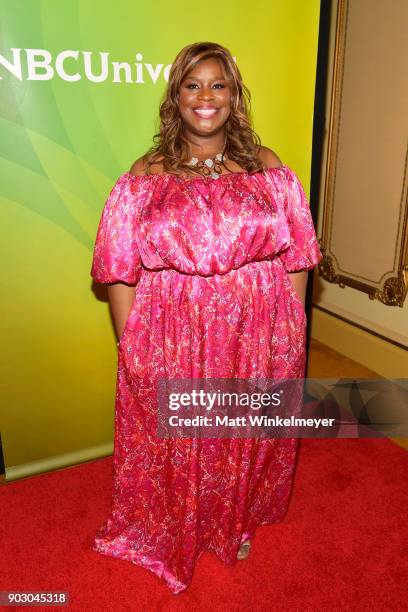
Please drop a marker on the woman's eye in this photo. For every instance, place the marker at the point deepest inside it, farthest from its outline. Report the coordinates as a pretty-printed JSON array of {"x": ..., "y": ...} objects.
[{"x": 216, "y": 86}]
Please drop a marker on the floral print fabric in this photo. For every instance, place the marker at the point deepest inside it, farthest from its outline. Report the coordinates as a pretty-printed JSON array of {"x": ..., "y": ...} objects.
[{"x": 209, "y": 258}]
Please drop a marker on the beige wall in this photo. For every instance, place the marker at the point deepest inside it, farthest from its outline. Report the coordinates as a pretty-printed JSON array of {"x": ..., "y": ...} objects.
[{"x": 375, "y": 30}]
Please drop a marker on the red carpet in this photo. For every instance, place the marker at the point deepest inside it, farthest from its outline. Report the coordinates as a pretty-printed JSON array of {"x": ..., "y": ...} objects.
[{"x": 340, "y": 547}]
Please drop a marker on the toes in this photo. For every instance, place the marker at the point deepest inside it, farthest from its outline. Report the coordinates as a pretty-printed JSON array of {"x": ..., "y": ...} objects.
[{"x": 243, "y": 551}]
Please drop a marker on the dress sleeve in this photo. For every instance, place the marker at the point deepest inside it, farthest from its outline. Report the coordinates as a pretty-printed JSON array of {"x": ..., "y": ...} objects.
[
  {"x": 116, "y": 257},
  {"x": 303, "y": 252}
]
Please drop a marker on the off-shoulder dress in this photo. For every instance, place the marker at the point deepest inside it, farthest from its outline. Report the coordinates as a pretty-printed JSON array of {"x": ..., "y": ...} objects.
[{"x": 209, "y": 258}]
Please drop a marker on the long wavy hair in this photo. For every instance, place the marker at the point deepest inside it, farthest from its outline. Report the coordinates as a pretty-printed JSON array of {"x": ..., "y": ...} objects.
[{"x": 170, "y": 144}]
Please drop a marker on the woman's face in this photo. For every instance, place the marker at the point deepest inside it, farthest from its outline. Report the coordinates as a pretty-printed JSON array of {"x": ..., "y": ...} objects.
[{"x": 205, "y": 98}]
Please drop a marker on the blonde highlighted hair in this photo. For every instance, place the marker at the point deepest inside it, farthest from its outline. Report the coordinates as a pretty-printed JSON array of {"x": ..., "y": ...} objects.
[{"x": 170, "y": 146}]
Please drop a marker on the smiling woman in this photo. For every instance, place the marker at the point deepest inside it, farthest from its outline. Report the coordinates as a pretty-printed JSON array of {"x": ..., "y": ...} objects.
[
  {"x": 200, "y": 244},
  {"x": 205, "y": 98},
  {"x": 205, "y": 112}
]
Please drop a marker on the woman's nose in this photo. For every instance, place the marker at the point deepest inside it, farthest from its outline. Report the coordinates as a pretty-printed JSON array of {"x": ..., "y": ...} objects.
[{"x": 206, "y": 93}]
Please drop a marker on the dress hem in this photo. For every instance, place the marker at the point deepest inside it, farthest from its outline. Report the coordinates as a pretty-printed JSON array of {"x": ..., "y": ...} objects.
[{"x": 157, "y": 567}]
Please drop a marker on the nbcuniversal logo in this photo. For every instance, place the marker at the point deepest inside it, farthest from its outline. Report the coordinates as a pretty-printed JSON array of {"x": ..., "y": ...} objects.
[{"x": 71, "y": 66}]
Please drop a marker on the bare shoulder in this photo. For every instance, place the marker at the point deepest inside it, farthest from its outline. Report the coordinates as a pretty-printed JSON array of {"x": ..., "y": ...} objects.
[
  {"x": 139, "y": 167},
  {"x": 269, "y": 158}
]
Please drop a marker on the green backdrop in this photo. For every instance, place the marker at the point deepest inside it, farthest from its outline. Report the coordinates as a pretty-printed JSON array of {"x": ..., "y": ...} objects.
[{"x": 70, "y": 124}]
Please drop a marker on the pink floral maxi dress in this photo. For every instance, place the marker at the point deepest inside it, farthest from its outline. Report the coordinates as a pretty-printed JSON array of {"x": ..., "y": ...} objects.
[{"x": 209, "y": 258}]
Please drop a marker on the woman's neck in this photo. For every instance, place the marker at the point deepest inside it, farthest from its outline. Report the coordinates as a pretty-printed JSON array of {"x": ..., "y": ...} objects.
[{"x": 207, "y": 146}]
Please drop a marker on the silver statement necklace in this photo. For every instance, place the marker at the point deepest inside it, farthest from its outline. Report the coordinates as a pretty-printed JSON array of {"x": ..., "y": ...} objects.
[{"x": 210, "y": 166}]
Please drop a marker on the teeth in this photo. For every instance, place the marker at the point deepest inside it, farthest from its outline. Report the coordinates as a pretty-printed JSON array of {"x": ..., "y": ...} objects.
[{"x": 205, "y": 111}]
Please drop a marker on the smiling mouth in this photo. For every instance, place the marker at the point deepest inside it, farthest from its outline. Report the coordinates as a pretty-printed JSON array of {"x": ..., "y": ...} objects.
[{"x": 205, "y": 113}]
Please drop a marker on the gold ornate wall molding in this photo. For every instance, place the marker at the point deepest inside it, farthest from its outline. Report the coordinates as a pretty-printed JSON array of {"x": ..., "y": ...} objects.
[{"x": 364, "y": 236}]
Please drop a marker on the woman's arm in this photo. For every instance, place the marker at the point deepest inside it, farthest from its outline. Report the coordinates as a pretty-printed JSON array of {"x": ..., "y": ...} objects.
[
  {"x": 121, "y": 298},
  {"x": 299, "y": 282}
]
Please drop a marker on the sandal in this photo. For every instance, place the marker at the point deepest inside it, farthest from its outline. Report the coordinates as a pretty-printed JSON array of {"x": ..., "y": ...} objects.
[{"x": 244, "y": 550}]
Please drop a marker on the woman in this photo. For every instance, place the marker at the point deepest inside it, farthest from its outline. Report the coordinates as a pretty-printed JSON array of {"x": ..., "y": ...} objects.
[{"x": 205, "y": 244}]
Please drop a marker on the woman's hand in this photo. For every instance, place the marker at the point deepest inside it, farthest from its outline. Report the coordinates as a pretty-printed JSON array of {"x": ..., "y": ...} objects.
[{"x": 121, "y": 298}]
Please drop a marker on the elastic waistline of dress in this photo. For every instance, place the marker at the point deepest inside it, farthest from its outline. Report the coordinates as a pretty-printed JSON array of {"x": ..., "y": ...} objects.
[{"x": 275, "y": 261}]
